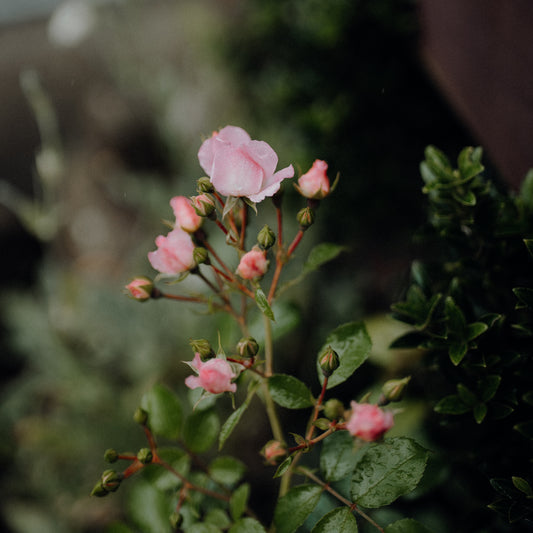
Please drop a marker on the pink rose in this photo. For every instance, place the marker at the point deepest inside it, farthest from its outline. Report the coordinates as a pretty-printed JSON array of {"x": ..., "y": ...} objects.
[
  {"x": 253, "y": 264},
  {"x": 203, "y": 204},
  {"x": 239, "y": 166},
  {"x": 272, "y": 450},
  {"x": 314, "y": 183},
  {"x": 174, "y": 253},
  {"x": 368, "y": 422},
  {"x": 214, "y": 375},
  {"x": 140, "y": 288},
  {"x": 185, "y": 214}
]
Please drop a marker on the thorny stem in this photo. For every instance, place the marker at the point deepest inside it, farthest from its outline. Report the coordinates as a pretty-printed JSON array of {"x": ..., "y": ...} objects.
[{"x": 340, "y": 497}]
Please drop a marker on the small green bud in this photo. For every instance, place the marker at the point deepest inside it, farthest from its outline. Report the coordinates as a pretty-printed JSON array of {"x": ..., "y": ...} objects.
[
  {"x": 111, "y": 480},
  {"x": 140, "y": 416},
  {"x": 204, "y": 205},
  {"x": 200, "y": 255},
  {"x": 145, "y": 456},
  {"x": 266, "y": 238},
  {"x": 202, "y": 347},
  {"x": 334, "y": 409},
  {"x": 328, "y": 361},
  {"x": 305, "y": 217},
  {"x": 110, "y": 455},
  {"x": 247, "y": 347},
  {"x": 176, "y": 519},
  {"x": 204, "y": 185},
  {"x": 99, "y": 491},
  {"x": 393, "y": 389}
]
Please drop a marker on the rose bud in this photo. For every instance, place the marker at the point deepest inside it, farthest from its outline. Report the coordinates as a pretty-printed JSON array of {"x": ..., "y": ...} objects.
[
  {"x": 186, "y": 217},
  {"x": 253, "y": 264},
  {"x": 140, "y": 288},
  {"x": 314, "y": 184}
]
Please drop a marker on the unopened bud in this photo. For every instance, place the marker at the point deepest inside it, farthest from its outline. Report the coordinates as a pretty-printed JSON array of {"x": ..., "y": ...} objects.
[
  {"x": 393, "y": 389},
  {"x": 176, "y": 520},
  {"x": 305, "y": 217},
  {"x": 110, "y": 455},
  {"x": 99, "y": 490},
  {"x": 247, "y": 347},
  {"x": 145, "y": 456},
  {"x": 202, "y": 347},
  {"x": 111, "y": 480},
  {"x": 333, "y": 409},
  {"x": 200, "y": 255},
  {"x": 140, "y": 416},
  {"x": 266, "y": 238},
  {"x": 204, "y": 204},
  {"x": 328, "y": 361},
  {"x": 140, "y": 288},
  {"x": 204, "y": 185},
  {"x": 272, "y": 451}
]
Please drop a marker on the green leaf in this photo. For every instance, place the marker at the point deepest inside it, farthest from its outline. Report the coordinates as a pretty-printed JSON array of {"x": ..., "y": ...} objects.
[
  {"x": 529, "y": 242},
  {"x": 524, "y": 295},
  {"x": 284, "y": 466},
  {"x": 523, "y": 486},
  {"x": 480, "y": 410},
  {"x": 386, "y": 471},
  {"x": 352, "y": 344},
  {"x": 475, "y": 329},
  {"x": 203, "y": 528},
  {"x": 321, "y": 254},
  {"x": 226, "y": 470},
  {"x": 247, "y": 525},
  {"x": 455, "y": 319},
  {"x": 239, "y": 501},
  {"x": 488, "y": 386},
  {"x": 149, "y": 508},
  {"x": 451, "y": 405},
  {"x": 262, "y": 303},
  {"x": 294, "y": 507},
  {"x": 233, "y": 419},
  {"x": 218, "y": 518},
  {"x": 466, "y": 198},
  {"x": 457, "y": 352},
  {"x": 200, "y": 430},
  {"x": 337, "y": 458},
  {"x": 466, "y": 395},
  {"x": 469, "y": 163},
  {"x": 525, "y": 428},
  {"x": 406, "y": 525},
  {"x": 339, "y": 520},
  {"x": 289, "y": 392},
  {"x": 164, "y": 412},
  {"x": 118, "y": 527}
]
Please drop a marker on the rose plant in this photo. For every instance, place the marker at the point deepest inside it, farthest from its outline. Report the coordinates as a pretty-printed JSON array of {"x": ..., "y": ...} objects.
[{"x": 353, "y": 469}]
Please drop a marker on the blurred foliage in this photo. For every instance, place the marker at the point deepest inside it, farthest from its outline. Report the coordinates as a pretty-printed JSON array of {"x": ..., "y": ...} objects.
[{"x": 471, "y": 309}]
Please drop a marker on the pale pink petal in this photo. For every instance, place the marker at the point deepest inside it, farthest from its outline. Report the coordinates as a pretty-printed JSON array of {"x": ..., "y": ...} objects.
[
  {"x": 206, "y": 155},
  {"x": 262, "y": 153},
  {"x": 235, "y": 174},
  {"x": 272, "y": 185},
  {"x": 233, "y": 135},
  {"x": 193, "y": 382}
]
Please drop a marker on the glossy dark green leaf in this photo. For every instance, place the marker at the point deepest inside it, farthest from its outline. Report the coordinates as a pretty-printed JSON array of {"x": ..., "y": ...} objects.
[
  {"x": 524, "y": 295},
  {"x": 289, "y": 392},
  {"x": 247, "y": 525},
  {"x": 164, "y": 411},
  {"x": 386, "y": 471},
  {"x": 239, "y": 501},
  {"x": 231, "y": 423},
  {"x": 466, "y": 395},
  {"x": 525, "y": 428},
  {"x": 488, "y": 386},
  {"x": 321, "y": 254},
  {"x": 227, "y": 470},
  {"x": 149, "y": 508},
  {"x": 337, "y": 457},
  {"x": 284, "y": 466},
  {"x": 479, "y": 411},
  {"x": 352, "y": 344},
  {"x": 475, "y": 329},
  {"x": 200, "y": 430},
  {"x": 294, "y": 507},
  {"x": 339, "y": 520},
  {"x": 452, "y": 405},
  {"x": 523, "y": 486},
  {"x": 457, "y": 352},
  {"x": 406, "y": 525}
]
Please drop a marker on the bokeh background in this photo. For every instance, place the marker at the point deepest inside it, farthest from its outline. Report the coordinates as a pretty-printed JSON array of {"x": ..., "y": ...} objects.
[{"x": 103, "y": 106}]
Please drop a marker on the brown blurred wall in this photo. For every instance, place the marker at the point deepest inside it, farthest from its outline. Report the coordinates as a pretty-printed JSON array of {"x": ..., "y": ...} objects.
[{"x": 480, "y": 52}]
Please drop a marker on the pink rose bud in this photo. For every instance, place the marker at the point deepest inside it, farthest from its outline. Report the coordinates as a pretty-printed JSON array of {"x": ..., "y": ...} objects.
[
  {"x": 239, "y": 166},
  {"x": 140, "y": 288},
  {"x": 253, "y": 264},
  {"x": 314, "y": 183},
  {"x": 368, "y": 421},
  {"x": 214, "y": 375},
  {"x": 186, "y": 216},
  {"x": 203, "y": 204},
  {"x": 272, "y": 450},
  {"x": 174, "y": 253}
]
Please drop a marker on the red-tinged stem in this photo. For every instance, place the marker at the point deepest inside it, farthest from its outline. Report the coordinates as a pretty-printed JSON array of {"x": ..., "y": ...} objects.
[
  {"x": 218, "y": 197},
  {"x": 247, "y": 364},
  {"x": 279, "y": 218},
  {"x": 295, "y": 243},
  {"x": 244, "y": 222},
  {"x": 221, "y": 226},
  {"x": 312, "y": 442},
  {"x": 340, "y": 497},
  {"x": 182, "y": 298},
  {"x": 317, "y": 409},
  {"x": 133, "y": 468},
  {"x": 275, "y": 279}
]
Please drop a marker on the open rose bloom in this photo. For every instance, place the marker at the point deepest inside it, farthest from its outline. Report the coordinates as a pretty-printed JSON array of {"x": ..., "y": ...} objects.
[
  {"x": 174, "y": 253},
  {"x": 368, "y": 421},
  {"x": 214, "y": 375},
  {"x": 240, "y": 166}
]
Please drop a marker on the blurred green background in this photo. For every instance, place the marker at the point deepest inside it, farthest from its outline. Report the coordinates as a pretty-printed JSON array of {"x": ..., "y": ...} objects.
[{"x": 104, "y": 107}]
